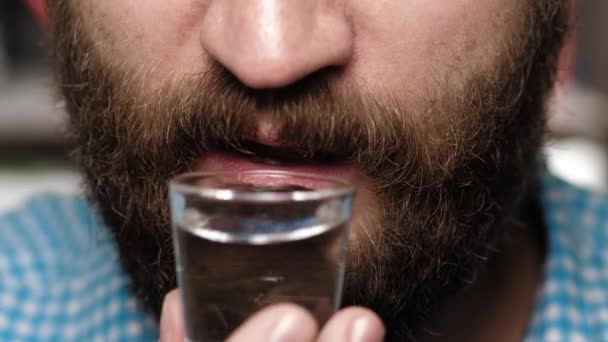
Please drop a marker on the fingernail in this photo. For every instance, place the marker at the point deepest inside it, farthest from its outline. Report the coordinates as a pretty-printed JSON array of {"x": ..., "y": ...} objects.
[
  {"x": 364, "y": 330},
  {"x": 286, "y": 329}
]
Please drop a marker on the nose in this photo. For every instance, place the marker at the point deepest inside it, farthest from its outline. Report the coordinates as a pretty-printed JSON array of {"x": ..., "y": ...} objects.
[{"x": 273, "y": 43}]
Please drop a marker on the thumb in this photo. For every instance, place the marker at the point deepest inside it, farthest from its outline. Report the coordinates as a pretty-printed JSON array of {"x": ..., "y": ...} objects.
[{"x": 171, "y": 321}]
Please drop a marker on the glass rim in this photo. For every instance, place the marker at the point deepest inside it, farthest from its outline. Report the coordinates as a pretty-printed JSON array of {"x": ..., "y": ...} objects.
[{"x": 179, "y": 184}]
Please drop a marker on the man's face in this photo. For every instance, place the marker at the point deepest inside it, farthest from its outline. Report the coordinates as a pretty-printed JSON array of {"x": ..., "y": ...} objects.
[{"x": 434, "y": 109}]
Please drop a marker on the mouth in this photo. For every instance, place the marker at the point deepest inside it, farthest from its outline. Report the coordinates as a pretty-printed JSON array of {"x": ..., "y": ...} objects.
[{"x": 251, "y": 155}]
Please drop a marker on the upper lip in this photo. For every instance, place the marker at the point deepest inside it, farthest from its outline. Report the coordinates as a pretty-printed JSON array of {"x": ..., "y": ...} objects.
[
  {"x": 278, "y": 154},
  {"x": 266, "y": 146}
]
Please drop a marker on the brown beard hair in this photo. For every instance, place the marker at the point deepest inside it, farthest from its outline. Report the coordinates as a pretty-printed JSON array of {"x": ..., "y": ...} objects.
[{"x": 449, "y": 180}]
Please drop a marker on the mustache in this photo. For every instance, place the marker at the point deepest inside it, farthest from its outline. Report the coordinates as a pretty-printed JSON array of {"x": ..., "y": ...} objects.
[
  {"x": 392, "y": 141},
  {"x": 315, "y": 120},
  {"x": 312, "y": 119},
  {"x": 399, "y": 144}
]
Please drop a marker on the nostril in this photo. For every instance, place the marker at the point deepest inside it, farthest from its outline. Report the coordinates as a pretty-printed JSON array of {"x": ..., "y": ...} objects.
[
  {"x": 289, "y": 66},
  {"x": 277, "y": 42},
  {"x": 312, "y": 83},
  {"x": 279, "y": 74},
  {"x": 319, "y": 80}
]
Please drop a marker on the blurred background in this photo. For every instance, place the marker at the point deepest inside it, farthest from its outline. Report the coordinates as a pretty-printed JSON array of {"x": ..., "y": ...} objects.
[{"x": 33, "y": 156}]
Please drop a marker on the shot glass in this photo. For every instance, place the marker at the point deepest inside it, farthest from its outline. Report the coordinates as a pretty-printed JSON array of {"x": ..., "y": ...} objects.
[{"x": 244, "y": 240}]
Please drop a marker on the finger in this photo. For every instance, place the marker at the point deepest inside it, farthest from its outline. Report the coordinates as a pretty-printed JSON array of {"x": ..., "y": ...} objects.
[
  {"x": 280, "y": 322},
  {"x": 354, "y": 324},
  {"x": 171, "y": 321}
]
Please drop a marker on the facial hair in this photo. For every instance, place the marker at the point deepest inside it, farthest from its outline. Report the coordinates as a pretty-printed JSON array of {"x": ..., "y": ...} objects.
[{"x": 448, "y": 174}]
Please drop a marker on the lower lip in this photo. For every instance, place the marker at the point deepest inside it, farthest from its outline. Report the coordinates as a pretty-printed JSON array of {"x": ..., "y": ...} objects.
[{"x": 221, "y": 161}]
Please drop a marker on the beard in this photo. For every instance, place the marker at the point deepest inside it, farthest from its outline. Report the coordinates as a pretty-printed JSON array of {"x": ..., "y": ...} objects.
[{"x": 448, "y": 174}]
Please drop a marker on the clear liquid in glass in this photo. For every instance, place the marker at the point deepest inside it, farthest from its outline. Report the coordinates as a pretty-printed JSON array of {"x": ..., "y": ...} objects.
[{"x": 255, "y": 262}]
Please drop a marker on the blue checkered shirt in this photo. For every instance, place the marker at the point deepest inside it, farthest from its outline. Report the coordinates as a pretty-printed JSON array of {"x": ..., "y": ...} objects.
[{"x": 60, "y": 279}]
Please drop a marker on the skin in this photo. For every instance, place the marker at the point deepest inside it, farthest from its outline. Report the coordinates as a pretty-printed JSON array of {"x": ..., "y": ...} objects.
[
  {"x": 279, "y": 42},
  {"x": 274, "y": 43},
  {"x": 284, "y": 322}
]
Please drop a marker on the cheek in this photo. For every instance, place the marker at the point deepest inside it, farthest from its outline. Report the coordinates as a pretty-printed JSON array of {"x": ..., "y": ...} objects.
[
  {"x": 157, "y": 35},
  {"x": 401, "y": 45},
  {"x": 419, "y": 44}
]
